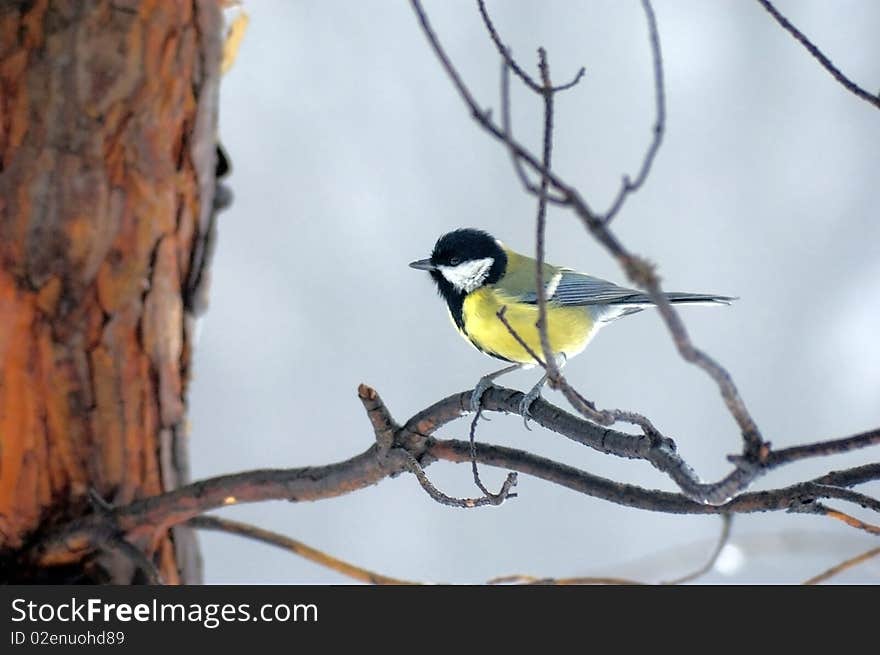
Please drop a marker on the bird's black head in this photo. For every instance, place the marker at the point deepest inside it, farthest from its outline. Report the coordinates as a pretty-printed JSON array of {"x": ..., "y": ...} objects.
[{"x": 463, "y": 261}]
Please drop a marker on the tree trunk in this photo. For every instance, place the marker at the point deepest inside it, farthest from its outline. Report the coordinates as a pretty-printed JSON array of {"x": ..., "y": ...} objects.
[{"x": 107, "y": 152}]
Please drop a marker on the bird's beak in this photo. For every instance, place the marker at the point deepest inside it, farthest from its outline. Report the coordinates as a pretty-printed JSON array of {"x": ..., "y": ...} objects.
[{"x": 423, "y": 265}]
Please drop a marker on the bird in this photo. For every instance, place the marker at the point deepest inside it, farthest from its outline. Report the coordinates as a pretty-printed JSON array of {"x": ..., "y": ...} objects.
[{"x": 478, "y": 277}]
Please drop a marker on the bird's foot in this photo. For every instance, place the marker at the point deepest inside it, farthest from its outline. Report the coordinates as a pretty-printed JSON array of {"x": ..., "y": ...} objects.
[
  {"x": 482, "y": 387},
  {"x": 526, "y": 403}
]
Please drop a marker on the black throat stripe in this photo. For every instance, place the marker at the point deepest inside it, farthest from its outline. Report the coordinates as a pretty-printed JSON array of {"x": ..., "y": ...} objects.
[{"x": 455, "y": 302}]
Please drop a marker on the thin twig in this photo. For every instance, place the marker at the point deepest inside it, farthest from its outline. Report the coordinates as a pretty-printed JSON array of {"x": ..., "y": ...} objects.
[
  {"x": 823, "y": 448},
  {"x": 605, "y": 417},
  {"x": 631, "y": 186},
  {"x": 726, "y": 521},
  {"x": 384, "y": 426},
  {"x": 472, "y": 435},
  {"x": 504, "y": 51},
  {"x": 297, "y": 547},
  {"x": 823, "y": 510},
  {"x": 832, "y": 491},
  {"x": 843, "y": 566},
  {"x": 849, "y": 519},
  {"x": 847, "y": 83},
  {"x": 515, "y": 155},
  {"x": 546, "y": 91},
  {"x": 413, "y": 466},
  {"x": 521, "y": 579},
  {"x": 502, "y": 316},
  {"x": 850, "y": 477},
  {"x": 510, "y": 481}
]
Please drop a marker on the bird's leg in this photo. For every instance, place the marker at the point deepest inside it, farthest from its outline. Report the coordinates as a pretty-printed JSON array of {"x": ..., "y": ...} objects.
[
  {"x": 535, "y": 392},
  {"x": 529, "y": 398},
  {"x": 486, "y": 382}
]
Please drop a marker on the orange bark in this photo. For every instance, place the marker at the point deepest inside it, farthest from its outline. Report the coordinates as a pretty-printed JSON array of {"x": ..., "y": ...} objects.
[{"x": 107, "y": 115}]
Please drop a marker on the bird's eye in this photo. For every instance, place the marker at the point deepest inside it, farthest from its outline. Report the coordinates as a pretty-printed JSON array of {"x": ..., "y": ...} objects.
[{"x": 454, "y": 261}]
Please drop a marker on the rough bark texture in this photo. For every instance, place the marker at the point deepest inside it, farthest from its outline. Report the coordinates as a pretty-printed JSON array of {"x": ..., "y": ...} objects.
[{"x": 107, "y": 121}]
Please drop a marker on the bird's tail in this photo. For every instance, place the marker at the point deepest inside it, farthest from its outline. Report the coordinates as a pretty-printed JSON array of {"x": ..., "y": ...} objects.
[
  {"x": 696, "y": 299},
  {"x": 636, "y": 302},
  {"x": 642, "y": 300}
]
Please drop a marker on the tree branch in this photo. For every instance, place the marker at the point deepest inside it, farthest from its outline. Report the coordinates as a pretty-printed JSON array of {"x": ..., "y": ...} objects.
[
  {"x": 726, "y": 522},
  {"x": 847, "y": 83},
  {"x": 823, "y": 448},
  {"x": 523, "y": 579},
  {"x": 843, "y": 566},
  {"x": 504, "y": 51},
  {"x": 553, "y": 374},
  {"x": 143, "y": 522},
  {"x": 823, "y": 510},
  {"x": 628, "y": 186}
]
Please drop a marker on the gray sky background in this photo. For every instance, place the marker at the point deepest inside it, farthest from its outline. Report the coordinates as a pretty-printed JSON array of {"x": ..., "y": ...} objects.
[{"x": 351, "y": 154}]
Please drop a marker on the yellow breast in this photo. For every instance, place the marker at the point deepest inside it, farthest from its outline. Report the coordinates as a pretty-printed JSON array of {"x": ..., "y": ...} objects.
[{"x": 569, "y": 329}]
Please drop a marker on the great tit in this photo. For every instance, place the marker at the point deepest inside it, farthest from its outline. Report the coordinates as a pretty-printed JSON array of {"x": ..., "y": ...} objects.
[{"x": 477, "y": 276}]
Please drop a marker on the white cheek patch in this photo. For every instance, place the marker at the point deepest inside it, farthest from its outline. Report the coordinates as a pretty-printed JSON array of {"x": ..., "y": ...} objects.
[{"x": 469, "y": 275}]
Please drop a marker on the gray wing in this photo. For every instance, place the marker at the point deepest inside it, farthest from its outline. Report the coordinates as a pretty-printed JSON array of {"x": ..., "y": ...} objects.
[
  {"x": 608, "y": 300},
  {"x": 572, "y": 288},
  {"x": 579, "y": 289}
]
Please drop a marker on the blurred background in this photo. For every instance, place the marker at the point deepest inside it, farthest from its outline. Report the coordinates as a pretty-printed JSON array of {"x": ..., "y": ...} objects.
[{"x": 351, "y": 154}]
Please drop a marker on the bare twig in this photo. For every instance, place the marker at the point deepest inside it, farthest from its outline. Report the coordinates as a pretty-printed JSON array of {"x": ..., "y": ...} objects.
[
  {"x": 850, "y": 477},
  {"x": 521, "y": 579},
  {"x": 843, "y": 566},
  {"x": 605, "y": 417},
  {"x": 541, "y": 220},
  {"x": 546, "y": 90},
  {"x": 515, "y": 156},
  {"x": 502, "y": 316},
  {"x": 834, "y": 491},
  {"x": 726, "y": 521},
  {"x": 383, "y": 424},
  {"x": 812, "y": 507},
  {"x": 504, "y": 51},
  {"x": 823, "y": 448},
  {"x": 475, "y": 470},
  {"x": 847, "y": 83},
  {"x": 412, "y": 465},
  {"x": 297, "y": 547},
  {"x": 628, "y": 186}
]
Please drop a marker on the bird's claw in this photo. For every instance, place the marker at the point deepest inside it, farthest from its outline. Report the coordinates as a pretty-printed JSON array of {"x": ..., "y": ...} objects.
[
  {"x": 477, "y": 396},
  {"x": 526, "y": 403}
]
